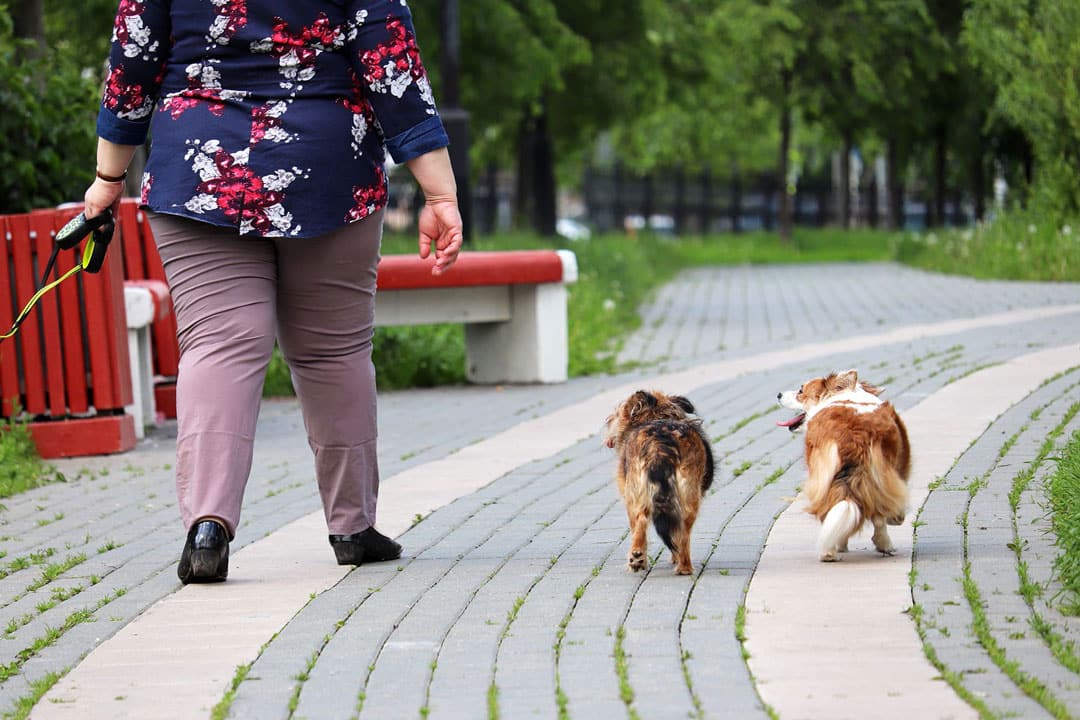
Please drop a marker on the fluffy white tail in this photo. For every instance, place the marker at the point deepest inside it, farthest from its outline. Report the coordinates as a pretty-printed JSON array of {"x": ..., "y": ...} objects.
[{"x": 842, "y": 520}]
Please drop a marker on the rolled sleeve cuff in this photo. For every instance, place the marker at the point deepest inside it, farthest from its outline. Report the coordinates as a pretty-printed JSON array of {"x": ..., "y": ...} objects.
[
  {"x": 417, "y": 140},
  {"x": 120, "y": 131}
]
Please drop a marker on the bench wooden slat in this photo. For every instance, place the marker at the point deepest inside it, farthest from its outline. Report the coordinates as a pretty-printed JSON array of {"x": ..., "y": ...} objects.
[
  {"x": 9, "y": 369},
  {"x": 109, "y": 367},
  {"x": 131, "y": 241},
  {"x": 73, "y": 324},
  {"x": 29, "y": 332},
  {"x": 506, "y": 267},
  {"x": 41, "y": 227}
]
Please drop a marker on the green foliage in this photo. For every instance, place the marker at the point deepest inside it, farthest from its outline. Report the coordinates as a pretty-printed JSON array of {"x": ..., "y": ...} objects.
[
  {"x": 513, "y": 54},
  {"x": 1020, "y": 245},
  {"x": 1030, "y": 51},
  {"x": 278, "y": 382},
  {"x": 419, "y": 356},
  {"x": 47, "y": 130},
  {"x": 20, "y": 466},
  {"x": 1065, "y": 501}
]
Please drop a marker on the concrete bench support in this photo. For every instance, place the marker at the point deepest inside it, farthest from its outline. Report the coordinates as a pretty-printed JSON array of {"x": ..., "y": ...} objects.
[
  {"x": 512, "y": 303},
  {"x": 145, "y": 302}
]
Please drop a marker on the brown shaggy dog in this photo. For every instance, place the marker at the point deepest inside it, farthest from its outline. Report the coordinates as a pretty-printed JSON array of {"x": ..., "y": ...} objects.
[
  {"x": 665, "y": 466},
  {"x": 858, "y": 457}
]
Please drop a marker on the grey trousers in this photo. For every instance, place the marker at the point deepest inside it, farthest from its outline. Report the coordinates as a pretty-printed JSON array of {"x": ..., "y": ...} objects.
[{"x": 233, "y": 297}]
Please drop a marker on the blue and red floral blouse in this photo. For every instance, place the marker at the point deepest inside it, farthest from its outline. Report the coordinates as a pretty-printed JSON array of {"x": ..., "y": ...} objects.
[{"x": 271, "y": 116}]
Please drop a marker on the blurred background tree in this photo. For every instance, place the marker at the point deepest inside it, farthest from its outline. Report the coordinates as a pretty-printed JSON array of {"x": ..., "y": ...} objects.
[{"x": 946, "y": 95}]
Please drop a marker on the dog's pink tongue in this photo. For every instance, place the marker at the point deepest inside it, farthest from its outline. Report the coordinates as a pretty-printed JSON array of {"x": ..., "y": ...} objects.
[{"x": 791, "y": 421}]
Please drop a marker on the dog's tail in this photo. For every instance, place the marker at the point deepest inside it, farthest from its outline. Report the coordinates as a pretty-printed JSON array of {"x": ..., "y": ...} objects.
[
  {"x": 840, "y": 522},
  {"x": 666, "y": 512}
]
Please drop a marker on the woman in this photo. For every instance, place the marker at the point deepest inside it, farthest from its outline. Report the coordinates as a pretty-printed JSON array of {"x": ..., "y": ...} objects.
[{"x": 269, "y": 124}]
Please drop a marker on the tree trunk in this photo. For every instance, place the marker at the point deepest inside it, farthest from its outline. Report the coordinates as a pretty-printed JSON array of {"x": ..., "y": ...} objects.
[
  {"x": 978, "y": 182},
  {"x": 845, "y": 182},
  {"x": 784, "y": 208},
  {"x": 543, "y": 177},
  {"x": 28, "y": 22},
  {"x": 941, "y": 137},
  {"x": 679, "y": 210},
  {"x": 894, "y": 190},
  {"x": 523, "y": 181}
]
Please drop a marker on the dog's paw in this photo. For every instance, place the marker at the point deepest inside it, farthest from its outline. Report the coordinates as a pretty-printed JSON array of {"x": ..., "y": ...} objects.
[
  {"x": 636, "y": 560},
  {"x": 887, "y": 551},
  {"x": 830, "y": 556},
  {"x": 687, "y": 570}
]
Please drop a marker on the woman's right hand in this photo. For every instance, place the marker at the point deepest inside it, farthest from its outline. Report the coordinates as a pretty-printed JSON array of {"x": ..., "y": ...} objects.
[
  {"x": 441, "y": 232},
  {"x": 102, "y": 194}
]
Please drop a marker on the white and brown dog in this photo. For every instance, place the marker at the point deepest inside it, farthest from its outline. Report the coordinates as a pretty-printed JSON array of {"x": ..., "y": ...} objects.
[{"x": 858, "y": 457}]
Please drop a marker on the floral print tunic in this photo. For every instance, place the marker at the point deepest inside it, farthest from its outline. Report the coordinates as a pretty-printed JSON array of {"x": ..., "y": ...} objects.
[{"x": 274, "y": 116}]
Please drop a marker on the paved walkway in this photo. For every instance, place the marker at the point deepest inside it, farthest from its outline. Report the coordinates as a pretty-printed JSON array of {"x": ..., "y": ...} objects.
[{"x": 512, "y": 599}]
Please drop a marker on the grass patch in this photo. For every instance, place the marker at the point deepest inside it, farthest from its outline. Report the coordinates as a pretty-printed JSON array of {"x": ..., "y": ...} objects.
[
  {"x": 38, "y": 688},
  {"x": 626, "y": 693},
  {"x": 21, "y": 468},
  {"x": 1014, "y": 246},
  {"x": 1064, "y": 491}
]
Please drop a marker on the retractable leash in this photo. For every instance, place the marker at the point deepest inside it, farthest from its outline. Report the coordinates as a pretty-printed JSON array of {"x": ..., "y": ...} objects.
[{"x": 100, "y": 228}]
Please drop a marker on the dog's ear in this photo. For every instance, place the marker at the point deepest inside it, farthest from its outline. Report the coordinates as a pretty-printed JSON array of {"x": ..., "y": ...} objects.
[
  {"x": 684, "y": 403},
  {"x": 645, "y": 398},
  {"x": 846, "y": 380},
  {"x": 641, "y": 400},
  {"x": 872, "y": 389}
]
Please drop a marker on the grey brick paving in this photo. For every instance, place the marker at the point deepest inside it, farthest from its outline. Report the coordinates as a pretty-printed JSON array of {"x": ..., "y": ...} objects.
[
  {"x": 516, "y": 594},
  {"x": 970, "y": 523}
]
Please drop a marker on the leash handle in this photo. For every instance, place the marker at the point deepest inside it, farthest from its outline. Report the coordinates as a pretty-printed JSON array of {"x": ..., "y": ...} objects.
[{"x": 80, "y": 226}]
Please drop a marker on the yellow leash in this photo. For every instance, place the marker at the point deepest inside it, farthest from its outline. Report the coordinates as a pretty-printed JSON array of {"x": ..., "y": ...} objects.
[{"x": 100, "y": 229}]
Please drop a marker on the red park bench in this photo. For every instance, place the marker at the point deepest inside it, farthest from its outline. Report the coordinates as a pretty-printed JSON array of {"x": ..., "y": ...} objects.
[{"x": 98, "y": 358}]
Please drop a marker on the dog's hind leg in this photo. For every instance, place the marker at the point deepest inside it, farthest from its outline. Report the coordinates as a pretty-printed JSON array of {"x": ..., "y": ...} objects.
[
  {"x": 881, "y": 538},
  {"x": 681, "y": 554},
  {"x": 842, "y": 520},
  {"x": 637, "y": 559}
]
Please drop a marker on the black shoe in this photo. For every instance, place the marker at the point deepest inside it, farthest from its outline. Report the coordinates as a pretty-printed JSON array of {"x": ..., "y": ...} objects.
[
  {"x": 205, "y": 558},
  {"x": 368, "y": 546}
]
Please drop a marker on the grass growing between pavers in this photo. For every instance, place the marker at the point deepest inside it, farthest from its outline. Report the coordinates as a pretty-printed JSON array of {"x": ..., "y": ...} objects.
[
  {"x": 220, "y": 711},
  {"x": 1025, "y": 679},
  {"x": 38, "y": 688},
  {"x": 1064, "y": 492},
  {"x": 982, "y": 609}
]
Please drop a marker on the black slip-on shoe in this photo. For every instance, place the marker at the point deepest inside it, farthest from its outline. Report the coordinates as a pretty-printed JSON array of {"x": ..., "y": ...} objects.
[
  {"x": 205, "y": 558},
  {"x": 368, "y": 546}
]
